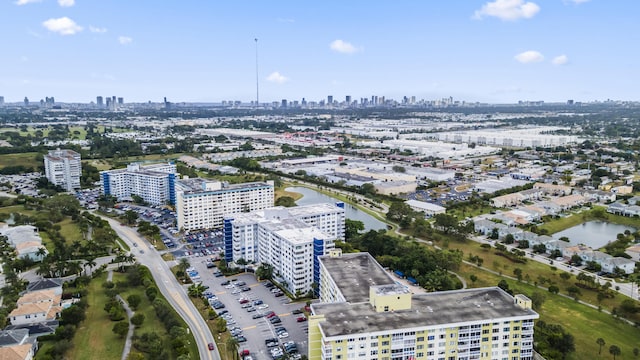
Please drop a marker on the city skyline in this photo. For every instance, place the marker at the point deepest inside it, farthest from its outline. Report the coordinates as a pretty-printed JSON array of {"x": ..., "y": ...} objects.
[{"x": 498, "y": 51}]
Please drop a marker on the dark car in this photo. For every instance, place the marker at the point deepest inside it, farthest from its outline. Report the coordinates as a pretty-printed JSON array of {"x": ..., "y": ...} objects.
[
  {"x": 226, "y": 282},
  {"x": 258, "y": 302},
  {"x": 296, "y": 312},
  {"x": 278, "y": 294},
  {"x": 241, "y": 339},
  {"x": 275, "y": 320},
  {"x": 211, "y": 346}
]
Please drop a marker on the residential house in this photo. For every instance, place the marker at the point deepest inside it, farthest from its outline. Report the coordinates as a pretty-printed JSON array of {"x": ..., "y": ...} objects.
[
  {"x": 507, "y": 200},
  {"x": 557, "y": 245},
  {"x": 555, "y": 190},
  {"x": 570, "y": 201},
  {"x": 634, "y": 252},
  {"x": 38, "y": 306},
  {"x": 599, "y": 196},
  {"x": 17, "y": 352}
]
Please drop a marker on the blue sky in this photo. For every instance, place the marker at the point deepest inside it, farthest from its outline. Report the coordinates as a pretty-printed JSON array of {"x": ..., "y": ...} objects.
[{"x": 197, "y": 50}]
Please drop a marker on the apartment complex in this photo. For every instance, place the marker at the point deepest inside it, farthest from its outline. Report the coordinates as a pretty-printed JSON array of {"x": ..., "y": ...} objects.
[
  {"x": 63, "y": 168},
  {"x": 364, "y": 314},
  {"x": 154, "y": 183},
  {"x": 289, "y": 239},
  {"x": 202, "y": 203}
]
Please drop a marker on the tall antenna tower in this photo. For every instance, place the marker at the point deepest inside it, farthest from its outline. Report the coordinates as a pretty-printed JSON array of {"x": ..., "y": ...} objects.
[{"x": 257, "y": 78}]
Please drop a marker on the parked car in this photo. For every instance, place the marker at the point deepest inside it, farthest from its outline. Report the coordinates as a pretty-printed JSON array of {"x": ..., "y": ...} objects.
[{"x": 301, "y": 319}]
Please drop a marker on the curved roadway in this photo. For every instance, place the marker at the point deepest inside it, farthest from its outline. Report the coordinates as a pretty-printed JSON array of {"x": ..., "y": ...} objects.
[{"x": 169, "y": 287}]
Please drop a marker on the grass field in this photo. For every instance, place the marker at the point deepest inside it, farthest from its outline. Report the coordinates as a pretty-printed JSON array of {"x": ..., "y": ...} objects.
[
  {"x": 25, "y": 159},
  {"x": 17, "y": 209},
  {"x": 533, "y": 271},
  {"x": 101, "y": 164},
  {"x": 94, "y": 338},
  {"x": 584, "y": 323},
  {"x": 280, "y": 192},
  {"x": 70, "y": 231}
]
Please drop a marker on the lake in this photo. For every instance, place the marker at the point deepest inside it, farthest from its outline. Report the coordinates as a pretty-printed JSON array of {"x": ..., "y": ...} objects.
[
  {"x": 595, "y": 234},
  {"x": 310, "y": 196}
]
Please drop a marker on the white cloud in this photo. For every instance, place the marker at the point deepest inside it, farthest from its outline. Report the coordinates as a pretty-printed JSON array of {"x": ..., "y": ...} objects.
[
  {"x": 125, "y": 40},
  {"x": 98, "y": 30},
  {"x": 63, "y": 26},
  {"x": 510, "y": 10},
  {"x": 343, "y": 47},
  {"x": 66, "y": 3},
  {"x": 276, "y": 77},
  {"x": 560, "y": 60},
  {"x": 25, "y": 2},
  {"x": 530, "y": 56}
]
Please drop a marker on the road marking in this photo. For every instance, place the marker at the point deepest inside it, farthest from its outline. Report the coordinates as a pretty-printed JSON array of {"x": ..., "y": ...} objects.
[{"x": 249, "y": 327}]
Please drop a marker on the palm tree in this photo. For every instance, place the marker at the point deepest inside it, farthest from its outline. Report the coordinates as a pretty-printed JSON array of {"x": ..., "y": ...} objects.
[
  {"x": 184, "y": 264},
  {"x": 42, "y": 252},
  {"x": 195, "y": 290},
  {"x": 614, "y": 350},
  {"x": 601, "y": 343},
  {"x": 233, "y": 345},
  {"x": 91, "y": 263}
]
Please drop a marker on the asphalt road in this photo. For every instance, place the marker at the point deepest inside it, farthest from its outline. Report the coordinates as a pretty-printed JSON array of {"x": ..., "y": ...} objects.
[{"x": 169, "y": 287}]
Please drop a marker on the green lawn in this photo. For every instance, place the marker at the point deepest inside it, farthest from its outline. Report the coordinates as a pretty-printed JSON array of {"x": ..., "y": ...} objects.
[
  {"x": 100, "y": 164},
  {"x": 533, "y": 269},
  {"x": 94, "y": 338},
  {"x": 25, "y": 159},
  {"x": 16, "y": 209},
  {"x": 70, "y": 231},
  {"x": 584, "y": 323}
]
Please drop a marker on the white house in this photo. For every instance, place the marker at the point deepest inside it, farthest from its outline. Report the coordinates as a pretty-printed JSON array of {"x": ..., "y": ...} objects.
[{"x": 429, "y": 209}]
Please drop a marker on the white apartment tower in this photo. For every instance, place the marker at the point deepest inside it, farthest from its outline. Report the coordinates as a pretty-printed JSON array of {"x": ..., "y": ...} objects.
[
  {"x": 202, "y": 203},
  {"x": 154, "y": 183},
  {"x": 289, "y": 239},
  {"x": 63, "y": 168}
]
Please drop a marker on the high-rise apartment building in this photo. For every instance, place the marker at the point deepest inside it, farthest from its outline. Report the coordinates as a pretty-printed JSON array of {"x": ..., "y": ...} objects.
[
  {"x": 1, "y": 100},
  {"x": 363, "y": 313},
  {"x": 154, "y": 183},
  {"x": 63, "y": 168},
  {"x": 202, "y": 203},
  {"x": 330, "y": 100},
  {"x": 99, "y": 101},
  {"x": 289, "y": 239}
]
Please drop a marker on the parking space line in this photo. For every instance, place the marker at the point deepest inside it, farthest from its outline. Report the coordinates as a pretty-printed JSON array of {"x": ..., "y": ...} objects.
[{"x": 249, "y": 327}]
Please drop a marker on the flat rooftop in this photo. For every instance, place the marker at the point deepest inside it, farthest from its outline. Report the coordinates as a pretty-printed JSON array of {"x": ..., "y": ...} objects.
[
  {"x": 197, "y": 186},
  {"x": 355, "y": 273},
  {"x": 431, "y": 309},
  {"x": 314, "y": 209}
]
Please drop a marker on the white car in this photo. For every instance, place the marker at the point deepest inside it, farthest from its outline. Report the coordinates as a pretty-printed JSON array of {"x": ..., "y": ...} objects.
[
  {"x": 283, "y": 335},
  {"x": 263, "y": 306}
]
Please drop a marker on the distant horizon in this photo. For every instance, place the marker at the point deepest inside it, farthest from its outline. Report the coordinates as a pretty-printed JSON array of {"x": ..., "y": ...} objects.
[{"x": 487, "y": 51}]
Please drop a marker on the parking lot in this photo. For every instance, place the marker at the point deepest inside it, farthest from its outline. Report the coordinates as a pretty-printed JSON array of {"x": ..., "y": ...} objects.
[{"x": 251, "y": 319}]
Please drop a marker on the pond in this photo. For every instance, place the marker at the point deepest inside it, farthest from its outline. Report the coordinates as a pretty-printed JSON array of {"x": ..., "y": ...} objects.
[
  {"x": 310, "y": 196},
  {"x": 595, "y": 234}
]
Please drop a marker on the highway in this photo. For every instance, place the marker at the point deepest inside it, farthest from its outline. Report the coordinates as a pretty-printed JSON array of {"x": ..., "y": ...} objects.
[{"x": 169, "y": 287}]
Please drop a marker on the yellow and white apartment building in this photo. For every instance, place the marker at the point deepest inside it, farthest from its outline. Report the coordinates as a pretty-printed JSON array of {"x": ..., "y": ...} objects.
[{"x": 365, "y": 314}]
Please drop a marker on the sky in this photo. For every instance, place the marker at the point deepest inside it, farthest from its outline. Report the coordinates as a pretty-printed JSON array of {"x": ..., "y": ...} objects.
[{"x": 498, "y": 51}]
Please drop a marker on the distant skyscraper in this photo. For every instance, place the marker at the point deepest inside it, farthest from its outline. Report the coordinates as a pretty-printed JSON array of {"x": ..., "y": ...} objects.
[
  {"x": 304, "y": 102},
  {"x": 347, "y": 99},
  {"x": 284, "y": 103},
  {"x": 99, "y": 101},
  {"x": 1, "y": 100},
  {"x": 330, "y": 100},
  {"x": 120, "y": 101},
  {"x": 569, "y": 102},
  {"x": 26, "y": 101}
]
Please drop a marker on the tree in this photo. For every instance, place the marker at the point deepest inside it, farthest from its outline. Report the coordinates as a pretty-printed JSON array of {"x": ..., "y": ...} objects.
[
  {"x": 352, "y": 228},
  {"x": 184, "y": 264},
  {"x": 576, "y": 260},
  {"x": 518, "y": 273},
  {"x": 636, "y": 352},
  {"x": 130, "y": 217},
  {"x": 447, "y": 223},
  {"x": 553, "y": 289},
  {"x": 601, "y": 343},
  {"x": 615, "y": 351},
  {"x": 233, "y": 344},
  {"x": 473, "y": 278},
  {"x": 286, "y": 201},
  {"x": 523, "y": 244},
  {"x": 399, "y": 210},
  {"x": 137, "y": 319},
  {"x": 509, "y": 239},
  {"x": 134, "y": 300},
  {"x": 121, "y": 328}
]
